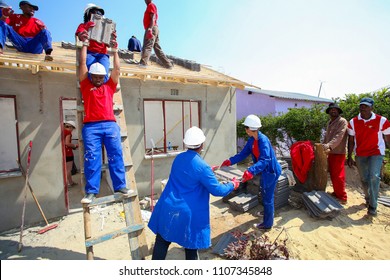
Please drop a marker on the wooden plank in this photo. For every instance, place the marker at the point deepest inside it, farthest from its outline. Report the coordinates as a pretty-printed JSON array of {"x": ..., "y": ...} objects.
[
  {"x": 116, "y": 197},
  {"x": 126, "y": 230}
]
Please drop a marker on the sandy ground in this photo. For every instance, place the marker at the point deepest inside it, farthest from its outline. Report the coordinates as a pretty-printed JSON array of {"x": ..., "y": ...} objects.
[{"x": 350, "y": 236}]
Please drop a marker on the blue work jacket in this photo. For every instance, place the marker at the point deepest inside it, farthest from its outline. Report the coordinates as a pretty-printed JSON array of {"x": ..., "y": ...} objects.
[
  {"x": 182, "y": 214},
  {"x": 267, "y": 161}
]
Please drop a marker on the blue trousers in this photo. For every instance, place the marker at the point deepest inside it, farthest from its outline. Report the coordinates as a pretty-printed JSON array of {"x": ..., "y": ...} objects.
[
  {"x": 42, "y": 41},
  {"x": 268, "y": 183},
  {"x": 103, "y": 59},
  {"x": 161, "y": 248},
  {"x": 370, "y": 174},
  {"x": 94, "y": 135}
]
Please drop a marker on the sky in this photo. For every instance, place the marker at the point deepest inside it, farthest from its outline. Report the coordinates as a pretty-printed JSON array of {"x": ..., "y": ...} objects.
[{"x": 284, "y": 45}]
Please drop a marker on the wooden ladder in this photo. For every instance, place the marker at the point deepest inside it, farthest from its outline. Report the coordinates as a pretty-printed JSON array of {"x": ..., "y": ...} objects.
[{"x": 134, "y": 223}]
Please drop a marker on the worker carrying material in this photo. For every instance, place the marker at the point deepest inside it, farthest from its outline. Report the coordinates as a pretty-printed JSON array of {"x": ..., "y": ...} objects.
[
  {"x": 97, "y": 51},
  {"x": 264, "y": 162},
  {"x": 182, "y": 214},
  {"x": 100, "y": 126}
]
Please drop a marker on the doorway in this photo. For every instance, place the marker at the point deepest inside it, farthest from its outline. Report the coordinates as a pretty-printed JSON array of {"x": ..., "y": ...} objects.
[{"x": 73, "y": 193}]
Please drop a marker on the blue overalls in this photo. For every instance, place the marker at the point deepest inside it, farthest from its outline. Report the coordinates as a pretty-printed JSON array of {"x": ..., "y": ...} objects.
[{"x": 270, "y": 169}]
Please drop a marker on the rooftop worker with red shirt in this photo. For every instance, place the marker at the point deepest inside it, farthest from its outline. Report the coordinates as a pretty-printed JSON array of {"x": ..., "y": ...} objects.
[
  {"x": 152, "y": 37},
  {"x": 96, "y": 52},
  {"x": 366, "y": 133},
  {"x": 100, "y": 126},
  {"x": 27, "y": 34}
]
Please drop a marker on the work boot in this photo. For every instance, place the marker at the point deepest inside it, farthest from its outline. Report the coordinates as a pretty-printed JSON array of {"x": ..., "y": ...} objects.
[
  {"x": 125, "y": 191},
  {"x": 88, "y": 198},
  {"x": 261, "y": 227},
  {"x": 372, "y": 211}
]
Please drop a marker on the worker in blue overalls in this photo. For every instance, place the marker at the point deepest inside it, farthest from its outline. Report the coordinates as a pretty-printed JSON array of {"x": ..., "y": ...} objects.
[{"x": 264, "y": 163}]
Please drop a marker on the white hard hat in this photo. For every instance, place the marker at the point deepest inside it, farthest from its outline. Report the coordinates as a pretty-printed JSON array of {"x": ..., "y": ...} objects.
[
  {"x": 72, "y": 123},
  {"x": 194, "y": 137},
  {"x": 92, "y": 6},
  {"x": 4, "y": 5},
  {"x": 97, "y": 69},
  {"x": 253, "y": 122}
]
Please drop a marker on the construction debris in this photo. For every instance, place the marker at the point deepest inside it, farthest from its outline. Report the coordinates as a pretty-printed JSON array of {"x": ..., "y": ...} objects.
[
  {"x": 321, "y": 205},
  {"x": 243, "y": 202},
  {"x": 385, "y": 200}
]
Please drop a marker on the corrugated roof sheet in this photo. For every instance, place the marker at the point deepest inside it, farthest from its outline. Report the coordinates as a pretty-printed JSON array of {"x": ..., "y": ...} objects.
[{"x": 288, "y": 95}]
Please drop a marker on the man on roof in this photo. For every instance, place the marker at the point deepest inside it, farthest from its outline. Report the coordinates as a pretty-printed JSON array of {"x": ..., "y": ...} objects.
[
  {"x": 152, "y": 37},
  {"x": 27, "y": 33}
]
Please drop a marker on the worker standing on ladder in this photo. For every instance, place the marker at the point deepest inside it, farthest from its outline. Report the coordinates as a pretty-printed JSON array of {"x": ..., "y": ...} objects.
[{"x": 100, "y": 125}]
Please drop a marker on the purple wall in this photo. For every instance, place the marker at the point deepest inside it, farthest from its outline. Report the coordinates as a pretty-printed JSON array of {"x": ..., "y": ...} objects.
[
  {"x": 262, "y": 104},
  {"x": 255, "y": 103}
]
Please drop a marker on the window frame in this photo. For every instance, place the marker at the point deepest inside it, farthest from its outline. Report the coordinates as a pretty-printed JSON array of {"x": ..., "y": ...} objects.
[
  {"x": 164, "y": 150},
  {"x": 13, "y": 172}
]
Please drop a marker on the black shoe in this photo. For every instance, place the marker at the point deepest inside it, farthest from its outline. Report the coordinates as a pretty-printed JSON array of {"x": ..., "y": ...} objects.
[
  {"x": 372, "y": 211},
  {"x": 88, "y": 198},
  {"x": 261, "y": 227},
  {"x": 125, "y": 191}
]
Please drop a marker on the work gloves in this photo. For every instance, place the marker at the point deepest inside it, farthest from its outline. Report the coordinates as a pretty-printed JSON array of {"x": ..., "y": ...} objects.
[
  {"x": 149, "y": 34},
  {"x": 214, "y": 167},
  {"x": 327, "y": 148},
  {"x": 83, "y": 34},
  {"x": 246, "y": 176},
  {"x": 236, "y": 183},
  {"x": 226, "y": 163},
  {"x": 113, "y": 42}
]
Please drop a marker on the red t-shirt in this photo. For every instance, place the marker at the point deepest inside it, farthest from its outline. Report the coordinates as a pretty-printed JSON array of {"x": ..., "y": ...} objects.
[
  {"x": 369, "y": 135},
  {"x": 25, "y": 27},
  {"x": 94, "y": 46},
  {"x": 150, "y": 9},
  {"x": 98, "y": 101},
  {"x": 255, "y": 149},
  {"x": 68, "y": 150}
]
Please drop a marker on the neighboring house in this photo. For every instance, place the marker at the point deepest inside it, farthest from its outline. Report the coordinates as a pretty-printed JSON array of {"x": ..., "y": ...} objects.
[
  {"x": 261, "y": 102},
  {"x": 264, "y": 102},
  {"x": 37, "y": 96}
]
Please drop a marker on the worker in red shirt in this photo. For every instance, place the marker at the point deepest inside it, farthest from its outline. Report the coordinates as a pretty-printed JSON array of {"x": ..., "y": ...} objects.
[
  {"x": 96, "y": 52},
  {"x": 100, "y": 126},
  {"x": 27, "y": 34},
  {"x": 366, "y": 138},
  {"x": 152, "y": 37}
]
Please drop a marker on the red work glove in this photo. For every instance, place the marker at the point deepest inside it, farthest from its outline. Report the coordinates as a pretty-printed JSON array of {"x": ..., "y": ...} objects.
[
  {"x": 113, "y": 44},
  {"x": 226, "y": 163},
  {"x": 7, "y": 12},
  {"x": 149, "y": 34},
  {"x": 247, "y": 176},
  {"x": 214, "y": 167},
  {"x": 83, "y": 36},
  {"x": 236, "y": 183}
]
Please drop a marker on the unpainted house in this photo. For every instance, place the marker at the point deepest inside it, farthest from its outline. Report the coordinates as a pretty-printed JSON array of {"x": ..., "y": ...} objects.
[
  {"x": 262, "y": 102},
  {"x": 37, "y": 96}
]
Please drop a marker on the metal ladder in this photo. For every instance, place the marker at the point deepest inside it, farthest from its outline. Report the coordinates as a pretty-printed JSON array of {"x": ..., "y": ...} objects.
[{"x": 134, "y": 223}]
